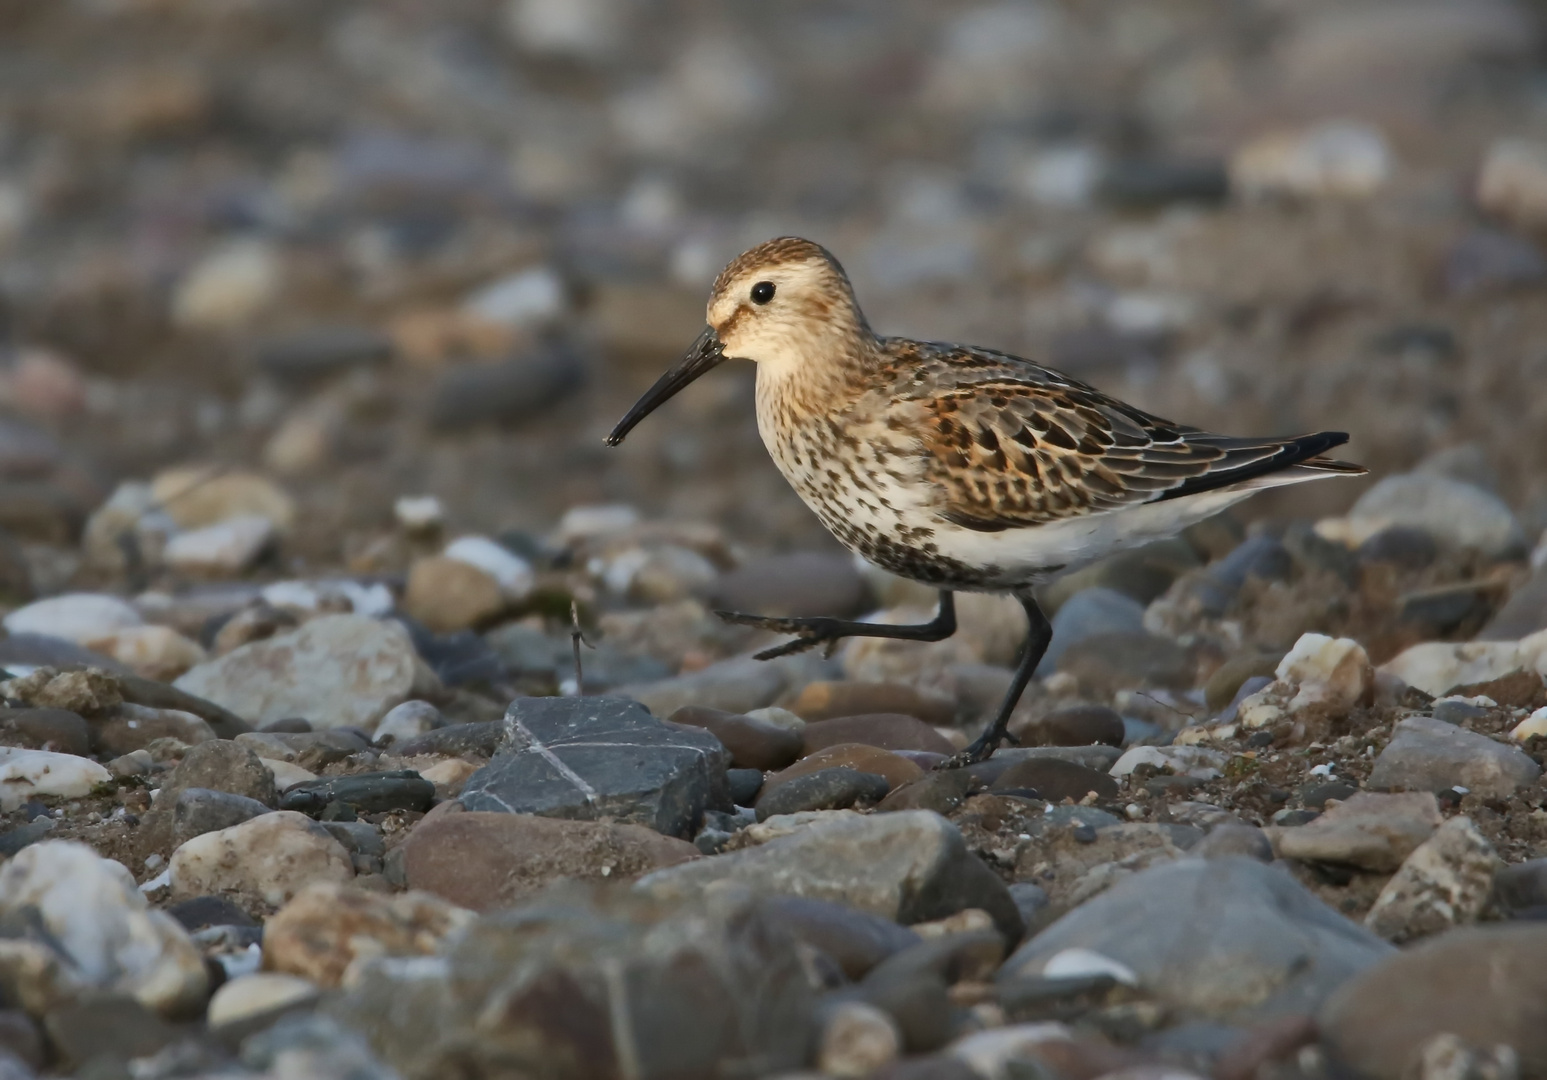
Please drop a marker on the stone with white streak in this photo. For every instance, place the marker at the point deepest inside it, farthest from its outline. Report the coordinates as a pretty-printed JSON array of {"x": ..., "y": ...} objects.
[
  {"x": 273, "y": 857},
  {"x": 513, "y": 573},
  {"x": 90, "y": 931},
  {"x": 1198, "y": 761},
  {"x": 226, "y": 547},
  {"x": 25, "y": 774}
]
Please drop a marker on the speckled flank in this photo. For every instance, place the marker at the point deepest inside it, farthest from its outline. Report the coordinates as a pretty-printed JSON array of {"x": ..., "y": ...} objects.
[{"x": 963, "y": 467}]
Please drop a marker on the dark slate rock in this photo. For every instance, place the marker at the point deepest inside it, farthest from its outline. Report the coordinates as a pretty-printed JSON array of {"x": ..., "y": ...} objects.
[
  {"x": 357, "y": 836},
  {"x": 454, "y": 740},
  {"x": 600, "y": 757},
  {"x": 366, "y": 793},
  {"x": 14, "y": 839},
  {"x": 825, "y": 789},
  {"x": 458, "y": 659},
  {"x": 202, "y": 911},
  {"x": 744, "y": 784},
  {"x": 200, "y": 810}
]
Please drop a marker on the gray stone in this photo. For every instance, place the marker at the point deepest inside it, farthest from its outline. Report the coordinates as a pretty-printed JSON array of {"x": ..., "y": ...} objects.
[
  {"x": 320, "y": 351},
  {"x": 106, "y": 1030},
  {"x": 217, "y": 765},
  {"x": 308, "y": 1044},
  {"x": 600, "y": 757},
  {"x": 1457, "y": 514},
  {"x": 1401, "y": 545},
  {"x": 799, "y": 583},
  {"x": 909, "y": 866},
  {"x": 337, "y": 670},
  {"x": 1521, "y": 890},
  {"x": 577, "y": 985},
  {"x": 505, "y": 393},
  {"x": 367, "y": 793},
  {"x": 1226, "y": 840},
  {"x": 1425, "y": 754},
  {"x": 1092, "y": 757},
  {"x": 1370, "y": 831},
  {"x": 1524, "y": 613},
  {"x": 1087, "y": 613},
  {"x": 856, "y": 940},
  {"x": 825, "y": 789},
  {"x": 1487, "y": 260},
  {"x": 1485, "y": 986},
  {"x": 358, "y": 837},
  {"x": 59, "y": 730},
  {"x": 1228, "y": 939},
  {"x": 1104, "y": 663},
  {"x": 737, "y": 685},
  {"x": 200, "y": 810},
  {"x": 454, "y": 740}
]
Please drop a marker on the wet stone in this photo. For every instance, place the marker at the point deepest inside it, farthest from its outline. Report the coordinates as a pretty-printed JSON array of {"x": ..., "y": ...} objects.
[
  {"x": 825, "y": 789},
  {"x": 600, "y": 757},
  {"x": 366, "y": 793}
]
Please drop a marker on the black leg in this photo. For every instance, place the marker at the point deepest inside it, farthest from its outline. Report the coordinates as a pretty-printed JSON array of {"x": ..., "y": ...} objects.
[
  {"x": 821, "y": 630},
  {"x": 1039, "y": 633}
]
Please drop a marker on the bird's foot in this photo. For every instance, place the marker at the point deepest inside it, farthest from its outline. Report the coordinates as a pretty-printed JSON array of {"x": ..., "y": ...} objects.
[
  {"x": 809, "y": 632},
  {"x": 980, "y": 749}
]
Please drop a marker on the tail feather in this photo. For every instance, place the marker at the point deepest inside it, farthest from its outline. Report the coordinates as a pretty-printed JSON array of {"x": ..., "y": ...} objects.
[{"x": 1293, "y": 457}]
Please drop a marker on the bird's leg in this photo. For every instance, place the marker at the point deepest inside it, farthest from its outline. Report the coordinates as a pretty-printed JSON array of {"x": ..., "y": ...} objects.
[
  {"x": 1039, "y": 633},
  {"x": 820, "y": 630}
]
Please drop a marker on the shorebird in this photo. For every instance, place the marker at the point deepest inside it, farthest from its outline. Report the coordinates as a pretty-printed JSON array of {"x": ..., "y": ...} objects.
[{"x": 959, "y": 467}]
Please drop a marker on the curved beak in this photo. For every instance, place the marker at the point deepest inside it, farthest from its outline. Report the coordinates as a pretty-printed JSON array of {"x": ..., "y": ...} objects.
[{"x": 705, "y": 354}]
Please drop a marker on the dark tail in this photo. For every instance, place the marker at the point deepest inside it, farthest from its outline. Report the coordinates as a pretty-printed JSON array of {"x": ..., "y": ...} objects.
[{"x": 1247, "y": 459}]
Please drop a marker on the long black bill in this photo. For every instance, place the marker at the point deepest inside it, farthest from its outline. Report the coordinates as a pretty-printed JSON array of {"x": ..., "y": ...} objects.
[{"x": 706, "y": 354}]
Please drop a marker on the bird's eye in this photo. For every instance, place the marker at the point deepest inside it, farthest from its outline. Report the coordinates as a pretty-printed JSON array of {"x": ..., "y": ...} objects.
[{"x": 762, "y": 292}]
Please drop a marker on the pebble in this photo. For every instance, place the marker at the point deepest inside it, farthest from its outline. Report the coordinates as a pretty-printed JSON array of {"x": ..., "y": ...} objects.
[
  {"x": 1403, "y": 546},
  {"x": 1438, "y": 667},
  {"x": 1487, "y": 260},
  {"x": 889, "y": 731},
  {"x": 1520, "y": 889},
  {"x": 909, "y": 866},
  {"x": 447, "y": 594},
  {"x": 218, "y": 765},
  {"x": 1332, "y": 672},
  {"x": 58, "y": 730},
  {"x": 708, "y": 963},
  {"x": 564, "y": 757},
  {"x": 752, "y": 743},
  {"x": 225, "y": 548},
  {"x": 1445, "y": 882},
  {"x": 1534, "y": 724},
  {"x": 1523, "y": 614},
  {"x": 336, "y": 670},
  {"x": 1086, "y": 614},
  {"x": 96, "y": 1032},
  {"x": 28, "y": 774},
  {"x": 1370, "y": 831},
  {"x": 407, "y": 721},
  {"x": 800, "y": 583},
  {"x": 528, "y": 297},
  {"x": 827, "y": 700},
  {"x": 326, "y": 926},
  {"x": 1196, "y": 761},
  {"x": 200, "y": 810},
  {"x": 1230, "y": 839},
  {"x": 200, "y": 495},
  {"x": 488, "y": 861},
  {"x": 1486, "y": 987},
  {"x": 272, "y": 857},
  {"x": 264, "y": 994},
  {"x": 365, "y": 793},
  {"x": 1105, "y": 663},
  {"x": 1055, "y": 781},
  {"x": 76, "y": 617},
  {"x": 95, "y": 933},
  {"x": 856, "y": 1040},
  {"x": 871, "y": 760},
  {"x": 134, "y": 727},
  {"x": 1334, "y": 159},
  {"x": 825, "y": 789},
  {"x": 1229, "y": 939},
  {"x": 1076, "y": 725},
  {"x": 229, "y": 287},
  {"x": 512, "y": 573},
  {"x": 856, "y": 941},
  {"x": 1456, "y": 514},
  {"x": 152, "y": 652},
  {"x": 479, "y": 737},
  {"x": 1425, "y": 754},
  {"x": 738, "y": 685},
  {"x": 504, "y": 393},
  {"x": 318, "y": 352},
  {"x": 1512, "y": 182}
]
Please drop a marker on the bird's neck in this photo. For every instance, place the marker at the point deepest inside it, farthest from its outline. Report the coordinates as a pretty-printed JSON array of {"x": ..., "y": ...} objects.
[{"x": 818, "y": 375}]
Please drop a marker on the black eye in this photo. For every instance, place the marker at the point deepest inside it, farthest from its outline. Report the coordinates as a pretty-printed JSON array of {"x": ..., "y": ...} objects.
[{"x": 762, "y": 292}]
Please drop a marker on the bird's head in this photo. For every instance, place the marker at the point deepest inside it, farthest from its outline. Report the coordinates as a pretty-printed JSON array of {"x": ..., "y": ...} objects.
[{"x": 784, "y": 304}]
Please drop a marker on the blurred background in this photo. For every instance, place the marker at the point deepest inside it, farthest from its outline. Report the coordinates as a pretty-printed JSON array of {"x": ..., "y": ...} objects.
[{"x": 368, "y": 250}]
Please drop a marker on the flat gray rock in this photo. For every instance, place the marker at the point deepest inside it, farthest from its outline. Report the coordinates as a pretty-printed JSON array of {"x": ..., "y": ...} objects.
[
  {"x": 909, "y": 866},
  {"x": 1425, "y": 754},
  {"x": 590, "y": 758},
  {"x": 1226, "y": 939}
]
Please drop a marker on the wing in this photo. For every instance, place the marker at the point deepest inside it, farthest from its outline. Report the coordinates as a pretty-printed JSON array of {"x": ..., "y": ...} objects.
[{"x": 1009, "y": 444}]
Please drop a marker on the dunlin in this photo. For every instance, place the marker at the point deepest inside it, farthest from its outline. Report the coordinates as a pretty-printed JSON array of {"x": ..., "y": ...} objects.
[{"x": 959, "y": 467}]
